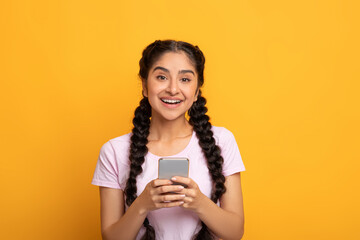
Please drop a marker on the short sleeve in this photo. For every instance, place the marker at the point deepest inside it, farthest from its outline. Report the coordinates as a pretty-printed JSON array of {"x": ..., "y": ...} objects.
[
  {"x": 231, "y": 154},
  {"x": 106, "y": 171}
]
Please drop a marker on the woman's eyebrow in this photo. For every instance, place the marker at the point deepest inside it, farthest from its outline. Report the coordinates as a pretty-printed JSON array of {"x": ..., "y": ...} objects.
[
  {"x": 187, "y": 71},
  {"x": 167, "y": 70},
  {"x": 161, "y": 68}
]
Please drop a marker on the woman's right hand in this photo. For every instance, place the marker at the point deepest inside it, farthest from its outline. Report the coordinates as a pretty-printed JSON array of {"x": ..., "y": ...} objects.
[{"x": 160, "y": 193}]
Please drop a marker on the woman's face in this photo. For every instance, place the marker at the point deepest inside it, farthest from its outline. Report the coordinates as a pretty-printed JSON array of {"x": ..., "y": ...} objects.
[{"x": 171, "y": 86}]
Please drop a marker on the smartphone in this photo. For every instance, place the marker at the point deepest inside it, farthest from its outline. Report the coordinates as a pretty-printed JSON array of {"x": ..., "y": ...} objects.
[{"x": 170, "y": 167}]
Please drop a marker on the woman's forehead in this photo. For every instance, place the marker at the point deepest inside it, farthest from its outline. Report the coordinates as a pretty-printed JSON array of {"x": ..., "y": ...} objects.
[{"x": 174, "y": 61}]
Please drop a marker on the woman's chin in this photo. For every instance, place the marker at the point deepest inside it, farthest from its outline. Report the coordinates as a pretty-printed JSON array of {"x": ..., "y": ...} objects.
[{"x": 169, "y": 117}]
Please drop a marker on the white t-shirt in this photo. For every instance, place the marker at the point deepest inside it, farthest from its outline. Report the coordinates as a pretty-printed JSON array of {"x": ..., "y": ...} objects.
[{"x": 112, "y": 170}]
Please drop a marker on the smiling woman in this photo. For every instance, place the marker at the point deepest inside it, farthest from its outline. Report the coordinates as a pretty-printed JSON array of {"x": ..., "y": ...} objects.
[{"x": 135, "y": 204}]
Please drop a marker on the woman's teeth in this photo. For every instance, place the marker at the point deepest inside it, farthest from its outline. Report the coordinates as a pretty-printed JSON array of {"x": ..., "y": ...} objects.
[{"x": 171, "y": 101}]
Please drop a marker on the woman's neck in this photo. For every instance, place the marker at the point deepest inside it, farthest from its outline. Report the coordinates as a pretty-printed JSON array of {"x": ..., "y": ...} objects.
[{"x": 164, "y": 130}]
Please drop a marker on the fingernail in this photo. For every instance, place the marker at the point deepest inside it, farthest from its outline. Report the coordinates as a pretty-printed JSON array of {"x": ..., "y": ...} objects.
[
  {"x": 180, "y": 187},
  {"x": 173, "y": 178},
  {"x": 181, "y": 202}
]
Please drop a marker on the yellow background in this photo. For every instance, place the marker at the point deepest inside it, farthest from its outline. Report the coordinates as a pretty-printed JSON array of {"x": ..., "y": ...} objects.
[{"x": 281, "y": 75}]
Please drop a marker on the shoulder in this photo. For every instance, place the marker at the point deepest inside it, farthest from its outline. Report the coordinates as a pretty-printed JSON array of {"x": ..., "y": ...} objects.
[
  {"x": 122, "y": 140},
  {"x": 229, "y": 151},
  {"x": 118, "y": 147},
  {"x": 222, "y": 134},
  {"x": 119, "y": 142}
]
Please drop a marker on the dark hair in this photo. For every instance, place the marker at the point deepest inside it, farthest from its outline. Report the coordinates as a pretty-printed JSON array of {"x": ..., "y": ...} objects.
[{"x": 198, "y": 119}]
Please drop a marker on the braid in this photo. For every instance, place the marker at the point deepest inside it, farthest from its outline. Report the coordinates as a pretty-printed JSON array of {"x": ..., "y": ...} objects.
[
  {"x": 200, "y": 122},
  {"x": 138, "y": 150}
]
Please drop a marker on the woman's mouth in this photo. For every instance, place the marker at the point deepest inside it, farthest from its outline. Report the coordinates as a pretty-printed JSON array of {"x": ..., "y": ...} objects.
[{"x": 170, "y": 101}]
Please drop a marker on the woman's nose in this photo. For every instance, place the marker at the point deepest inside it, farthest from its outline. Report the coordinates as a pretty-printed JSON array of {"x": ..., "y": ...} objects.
[{"x": 173, "y": 87}]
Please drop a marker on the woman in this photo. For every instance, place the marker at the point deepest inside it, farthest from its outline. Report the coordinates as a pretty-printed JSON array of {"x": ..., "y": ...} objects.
[{"x": 137, "y": 205}]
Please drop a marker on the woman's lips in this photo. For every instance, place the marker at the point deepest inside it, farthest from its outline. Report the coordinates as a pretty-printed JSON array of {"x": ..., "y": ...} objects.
[{"x": 171, "y": 102}]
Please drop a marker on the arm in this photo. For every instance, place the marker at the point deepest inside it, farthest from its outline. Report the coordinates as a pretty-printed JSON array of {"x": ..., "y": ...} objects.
[
  {"x": 117, "y": 224},
  {"x": 227, "y": 221},
  {"x": 114, "y": 222}
]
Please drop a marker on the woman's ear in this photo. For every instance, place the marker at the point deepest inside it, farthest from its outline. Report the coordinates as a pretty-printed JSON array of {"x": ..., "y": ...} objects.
[
  {"x": 144, "y": 89},
  {"x": 196, "y": 94}
]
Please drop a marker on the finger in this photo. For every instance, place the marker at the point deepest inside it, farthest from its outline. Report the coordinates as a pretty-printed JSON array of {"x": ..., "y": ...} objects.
[
  {"x": 188, "y": 200},
  {"x": 188, "y": 192},
  {"x": 188, "y": 181},
  {"x": 167, "y": 198},
  {"x": 168, "y": 188},
  {"x": 170, "y": 204},
  {"x": 160, "y": 182},
  {"x": 185, "y": 205}
]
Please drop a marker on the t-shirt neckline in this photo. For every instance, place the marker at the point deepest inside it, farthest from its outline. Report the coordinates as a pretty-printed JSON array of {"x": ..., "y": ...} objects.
[{"x": 182, "y": 153}]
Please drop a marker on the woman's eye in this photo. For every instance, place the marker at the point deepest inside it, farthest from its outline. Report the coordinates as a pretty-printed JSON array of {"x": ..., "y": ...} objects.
[
  {"x": 161, "y": 77},
  {"x": 185, "y": 80}
]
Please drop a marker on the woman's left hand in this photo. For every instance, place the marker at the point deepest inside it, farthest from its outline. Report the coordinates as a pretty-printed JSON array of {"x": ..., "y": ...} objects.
[{"x": 194, "y": 198}]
